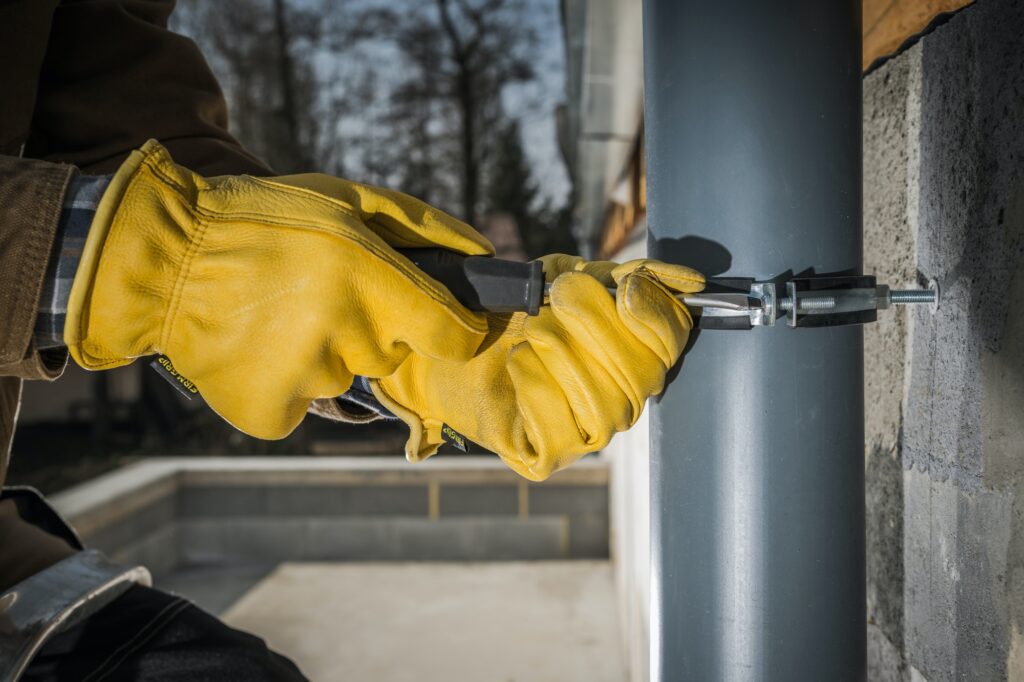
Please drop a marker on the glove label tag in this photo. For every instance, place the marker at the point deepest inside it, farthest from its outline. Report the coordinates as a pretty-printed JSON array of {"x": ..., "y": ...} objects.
[
  {"x": 453, "y": 437},
  {"x": 164, "y": 368}
]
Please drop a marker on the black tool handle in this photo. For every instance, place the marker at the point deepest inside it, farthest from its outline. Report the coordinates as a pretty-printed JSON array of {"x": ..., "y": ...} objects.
[{"x": 484, "y": 284}]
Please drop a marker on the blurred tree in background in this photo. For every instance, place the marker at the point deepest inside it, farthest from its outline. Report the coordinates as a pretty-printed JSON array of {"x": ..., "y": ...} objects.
[
  {"x": 462, "y": 58},
  {"x": 512, "y": 189},
  {"x": 408, "y": 94},
  {"x": 262, "y": 52}
]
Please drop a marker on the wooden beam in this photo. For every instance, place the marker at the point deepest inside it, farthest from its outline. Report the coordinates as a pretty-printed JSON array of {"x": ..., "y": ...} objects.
[{"x": 887, "y": 23}]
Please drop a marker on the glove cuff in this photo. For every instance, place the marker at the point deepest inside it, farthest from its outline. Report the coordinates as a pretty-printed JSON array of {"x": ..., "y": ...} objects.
[
  {"x": 424, "y": 435},
  {"x": 130, "y": 263}
]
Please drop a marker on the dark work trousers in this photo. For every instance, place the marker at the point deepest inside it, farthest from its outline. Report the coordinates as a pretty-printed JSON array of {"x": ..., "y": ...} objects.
[{"x": 153, "y": 636}]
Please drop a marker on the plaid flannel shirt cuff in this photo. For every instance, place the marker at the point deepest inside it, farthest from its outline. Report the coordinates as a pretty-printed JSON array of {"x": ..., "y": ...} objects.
[
  {"x": 359, "y": 398},
  {"x": 80, "y": 202}
]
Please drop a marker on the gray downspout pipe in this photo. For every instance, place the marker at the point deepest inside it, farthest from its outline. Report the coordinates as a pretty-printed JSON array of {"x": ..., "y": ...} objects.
[{"x": 753, "y": 134}]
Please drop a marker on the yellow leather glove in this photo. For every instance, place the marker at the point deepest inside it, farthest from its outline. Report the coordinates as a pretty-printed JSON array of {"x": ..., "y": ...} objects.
[
  {"x": 543, "y": 391},
  {"x": 267, "y": 293}
]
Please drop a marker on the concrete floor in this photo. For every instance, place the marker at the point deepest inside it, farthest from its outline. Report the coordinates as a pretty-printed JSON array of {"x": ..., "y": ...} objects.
[
  {"x": 214, "y": 588},
  {"x": 426, "y": 622}
]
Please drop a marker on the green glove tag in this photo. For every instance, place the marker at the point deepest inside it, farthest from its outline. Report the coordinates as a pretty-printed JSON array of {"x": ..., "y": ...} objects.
[{"x": 453, "y": 437}]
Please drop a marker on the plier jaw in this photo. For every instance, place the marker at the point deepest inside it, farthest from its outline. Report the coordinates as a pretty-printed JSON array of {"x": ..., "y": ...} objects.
[{"x": 736, "y": 303}]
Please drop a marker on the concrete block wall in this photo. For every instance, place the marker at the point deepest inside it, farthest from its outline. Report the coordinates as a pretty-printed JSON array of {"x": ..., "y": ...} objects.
[{"x": 944, "y": 199}]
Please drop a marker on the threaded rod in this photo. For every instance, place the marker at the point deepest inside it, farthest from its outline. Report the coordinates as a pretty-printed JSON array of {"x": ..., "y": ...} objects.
[
  {"x": 905, "y": 296},
  {"x": 808, "y": 303}
]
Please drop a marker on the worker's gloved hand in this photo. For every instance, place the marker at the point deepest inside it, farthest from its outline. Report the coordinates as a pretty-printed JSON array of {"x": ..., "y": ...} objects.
[
  {"x": 267, "y": 293},
  {"x": 543, "y": 391}
]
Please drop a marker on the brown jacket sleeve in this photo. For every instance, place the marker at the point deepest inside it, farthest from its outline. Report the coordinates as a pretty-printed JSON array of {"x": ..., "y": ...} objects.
[
  {"x": 31, "y": 194},
  {"x": 114, "y": 77}
]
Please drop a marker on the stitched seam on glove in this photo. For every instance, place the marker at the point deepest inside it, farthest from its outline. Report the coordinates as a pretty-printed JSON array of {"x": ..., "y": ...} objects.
[
  {"x": 308, "y": 195},
  {"x": 537, "y": 457},
  {"x": 371, "y": 217},
  {"x": 331, "y": 202},
  {"x": 414, "y": 274},
  {"x": 620, "y": 378},
  {"x": 630, "y": 267},
  {"x": 668, "y": 280},
  {"x": 653, "y": 277},
  {"x": 179, "y": 285},
  {"x": 665, "y": 355},
  {"x": 149, "y": 163},
  {"x": 346, "y": 207},
  {"x": 581, "y": 389},
  {"x": 195, "y": 240},
  {"x": 422, "y": 282},
  {"x": 656, "y": 280}
]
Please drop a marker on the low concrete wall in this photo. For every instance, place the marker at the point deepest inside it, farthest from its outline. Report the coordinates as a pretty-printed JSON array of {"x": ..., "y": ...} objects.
[{"x": 171, "y": 512}]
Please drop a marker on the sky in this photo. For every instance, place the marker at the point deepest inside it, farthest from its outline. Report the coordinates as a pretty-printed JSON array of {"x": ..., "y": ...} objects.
[
  {"x": 538, "y": 123},
  {"x": 534, "y": 104}
]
